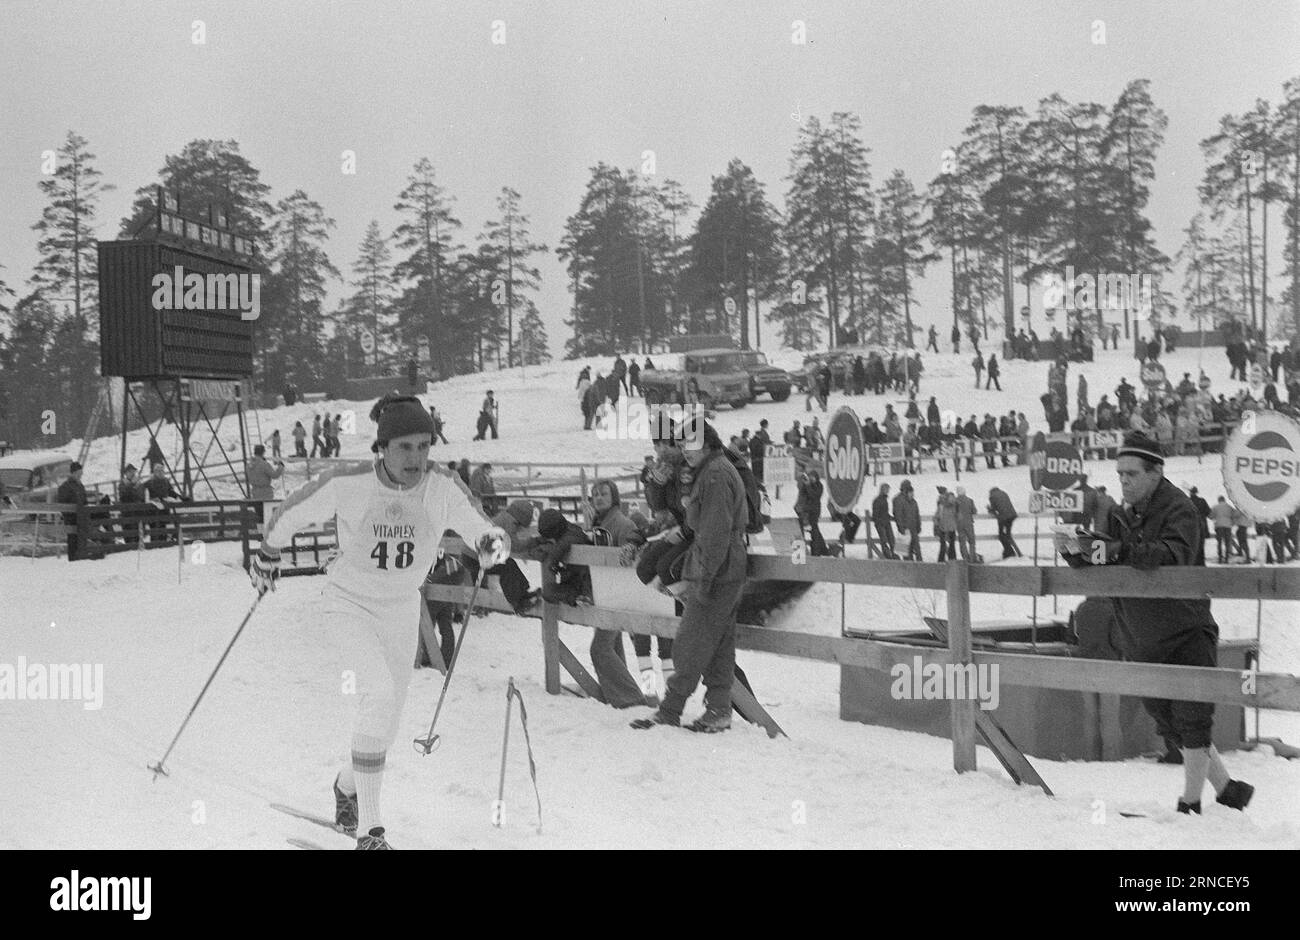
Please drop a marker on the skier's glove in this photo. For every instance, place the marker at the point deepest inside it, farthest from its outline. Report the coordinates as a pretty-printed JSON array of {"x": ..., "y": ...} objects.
[
  {"x": 493, "y": 547},
  {"x": 264, "y": 570}
]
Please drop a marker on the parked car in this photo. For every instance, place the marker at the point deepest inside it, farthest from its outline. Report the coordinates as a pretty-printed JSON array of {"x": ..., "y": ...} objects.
[
  {"x": 764, "y": 377},
  {"x": 32, "y": 476},
  {"x": 717, "y": 376}
]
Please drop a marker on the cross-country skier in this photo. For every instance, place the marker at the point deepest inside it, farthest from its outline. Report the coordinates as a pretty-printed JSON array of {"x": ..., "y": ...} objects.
[{"x": 391, "y": 517}]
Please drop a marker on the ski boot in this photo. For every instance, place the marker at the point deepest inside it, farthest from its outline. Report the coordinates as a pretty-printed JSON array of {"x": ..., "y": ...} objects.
[
  {"x": 709, "y": 723},
  {"x": 345, "y": 810},
  {"x": 1236, "y": 794},
  {"x": 658, "y": 717},
  {"x": 1189, "y": 808},
  {"x": 373, "y": 840}
]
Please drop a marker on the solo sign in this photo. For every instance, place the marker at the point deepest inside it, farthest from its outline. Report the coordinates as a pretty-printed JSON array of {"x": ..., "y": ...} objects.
[{"x": 845, "y": 460}]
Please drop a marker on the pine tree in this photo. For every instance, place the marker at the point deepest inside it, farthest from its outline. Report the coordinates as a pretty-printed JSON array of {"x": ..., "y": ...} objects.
[
  {"x": 427, "y": 233},
  {"x": 900, "y": 255},
  {"x": 67, "y": 274},
  {"x": 533, "y": 344},
  {"x": 1288, "y": 132},
  {"x": 370, "y": 308},
  {"x": 510, "y": 241},
  {"x": 735, "y": 237},
  {"x": 295, "y": 325}
]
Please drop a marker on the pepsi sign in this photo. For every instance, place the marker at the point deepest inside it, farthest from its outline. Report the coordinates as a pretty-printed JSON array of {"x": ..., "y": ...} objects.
[{"x": 1261, "y": 466}]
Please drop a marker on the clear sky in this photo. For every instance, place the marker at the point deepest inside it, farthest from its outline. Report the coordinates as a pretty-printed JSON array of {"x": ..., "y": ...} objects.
[{"x": 698, "y": 82}]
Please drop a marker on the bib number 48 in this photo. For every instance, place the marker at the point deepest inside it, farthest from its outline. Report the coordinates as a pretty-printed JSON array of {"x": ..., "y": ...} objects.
[{"x": 405, "y": 555}]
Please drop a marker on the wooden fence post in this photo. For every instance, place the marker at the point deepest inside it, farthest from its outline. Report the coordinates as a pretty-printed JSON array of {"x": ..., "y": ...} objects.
[
  {"x": 550, "y": 636},
  {"x": 959, "y": 645}
]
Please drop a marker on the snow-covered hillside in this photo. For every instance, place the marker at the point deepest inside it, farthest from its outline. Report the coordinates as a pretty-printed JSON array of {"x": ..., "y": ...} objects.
[{"x": 275, "y": 723}]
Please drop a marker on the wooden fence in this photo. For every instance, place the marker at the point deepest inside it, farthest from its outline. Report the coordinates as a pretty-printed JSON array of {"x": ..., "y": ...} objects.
[{"x": 958, "y": 580}]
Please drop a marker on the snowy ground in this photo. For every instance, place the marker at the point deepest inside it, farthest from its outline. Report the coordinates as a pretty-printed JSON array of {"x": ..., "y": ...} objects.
[{"x": 274, "y": 724}]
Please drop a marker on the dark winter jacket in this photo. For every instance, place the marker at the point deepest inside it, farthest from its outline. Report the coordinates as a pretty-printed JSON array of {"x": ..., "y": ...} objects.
[
  {"x": 516, "y": 520},
  {"x": 1000, "y": 505},
  {"x": 159, "y": 490},
  {"x": 560, "y": 535},
  {"x": 717, "y": 513},
  {"x": 808, "y": 504},
  {"x": 1165, "y": 532},
  {"x": 907, "y": 514},
  {"x": 880, "y": 509},
  {"x": 622, "y": 530}
]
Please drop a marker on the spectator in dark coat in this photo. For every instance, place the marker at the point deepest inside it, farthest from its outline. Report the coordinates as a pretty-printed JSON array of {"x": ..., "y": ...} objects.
[
  {"x": 634, "y": 379},
  {"x": 318, "y": 442},
  {"x": 1001, "y": 509},
  {"x": 134, "y": 504},
  {"x": 907, "y": 516},
  {"x": 808, "y": 508},
  {"x": 572, "y": 584},
  {"x": 993, "y": 372},
  {"x": 158, "y": 489},
  {"x": 299, "y": 440},
  {"x": 883, "y": 521},
  {"x": 72, "y": 492},
  {"x": 1158, "y": 526},
  {"x": 705, "y": 647},
  {"x": 462, "y": 470}
]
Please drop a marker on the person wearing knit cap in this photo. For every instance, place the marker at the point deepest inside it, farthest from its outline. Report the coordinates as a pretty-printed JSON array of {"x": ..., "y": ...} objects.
[
  {"x": 391, "y": 518},
  {"x": 1158, "y": 526},
  {"x": 715, "y": 566}
]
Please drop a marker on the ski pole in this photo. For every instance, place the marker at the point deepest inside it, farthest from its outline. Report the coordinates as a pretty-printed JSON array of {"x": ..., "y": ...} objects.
[
  {"x": 426, "y": 744},
  {"x": 158, "y": 767},
  {"x": 499, "y": 816}
]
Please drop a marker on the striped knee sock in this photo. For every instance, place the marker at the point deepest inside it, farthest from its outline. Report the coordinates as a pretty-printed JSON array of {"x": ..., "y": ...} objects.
[
  {"x": 368, "y": 773},
  {"x": 643, "y": 663}
]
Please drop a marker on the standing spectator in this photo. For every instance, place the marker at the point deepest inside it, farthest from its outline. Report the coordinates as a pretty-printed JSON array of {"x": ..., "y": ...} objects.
[
  {"x": 299, "y": 440},
  {"x": 612, "y": 527},
  {"x": 823, "y": 385},
  {"x": 883, "y": 521},
  {"x": 989, "y": 435},
  {"x": 945, "y": 525},
  {"x": 1082, "y": 394},
  {"x": 634, "y": 379},
  {"x": 317, "y": 442},
  {"x": 1022, "y": 432},
  {"x": 72, "y": 492},
  {"x": 793, "y": 437},
  {"x": 933, "y": 342},
  {"x": 619, "y": 371},
  {"x": 275, "y": 444},
  {"x": 907, "y": 516},
  {"x": 966, "y": 512},
  {"x": 1202, "y": 509},
  {"x": 591, "y": 402},
  {"x": 437, "y": 426},
  {"x": 705, "y": 646},
  {"x": 978, "y": 364},
  {"x": 971, "y": 431},
  {"x": 1158, "y": 528},
  {"x": 462, "y": 470},
  {"x": 649, "y": 366},
  {"x": 956, "y": 338},
  {"x": 975, "y": 339},
  {"x": 480, "y": 481},
  {"x": 487, "y": 418},
  {"x": 932, "y": 415},
  {"x": 1114, "y": 335},
  {"x": 812, "y": 437},
  {"x": 1001, "y": 509},
  {"x": 1006, "y": 435},
  {"x": 1240, "y": 521},
  {"x": 261, "y": 476},
  {"x": 808, "y": 508},
  {"x": 994, "y": 370}
]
